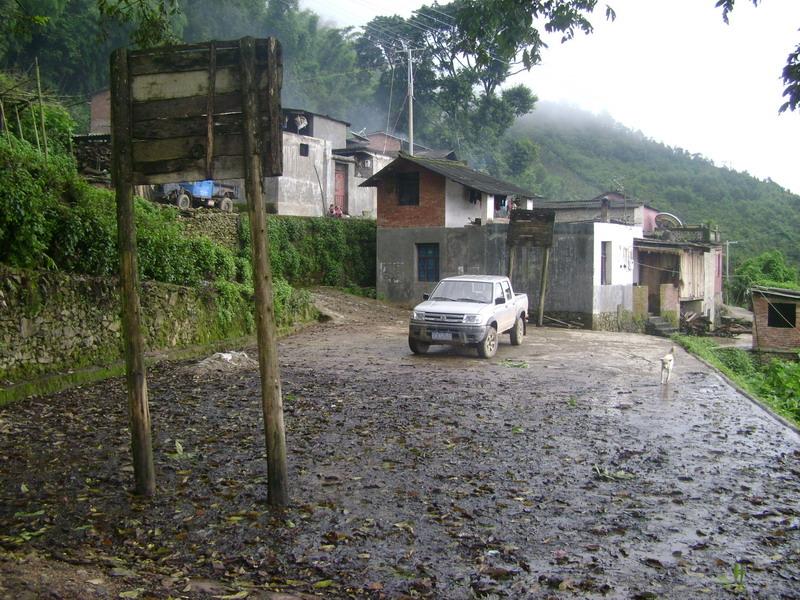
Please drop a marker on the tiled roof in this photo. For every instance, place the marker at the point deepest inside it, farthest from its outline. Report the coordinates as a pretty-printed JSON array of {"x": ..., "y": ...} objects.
[{"x": 457, "y": 171}]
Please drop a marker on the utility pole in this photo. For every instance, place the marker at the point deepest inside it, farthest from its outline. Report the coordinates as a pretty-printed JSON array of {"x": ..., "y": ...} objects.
[
  {"x": 410, "y": 100},
  {"x": 728, "y": 266}
]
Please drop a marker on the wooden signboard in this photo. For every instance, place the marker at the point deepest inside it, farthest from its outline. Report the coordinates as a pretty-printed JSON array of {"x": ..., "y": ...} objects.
[
  {"x": 188, "y": 113},
  {"x": 531, "y": 227}
]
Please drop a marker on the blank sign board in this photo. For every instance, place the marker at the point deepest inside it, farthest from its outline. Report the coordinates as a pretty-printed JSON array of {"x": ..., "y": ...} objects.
[{"x": 185, "y": 104}]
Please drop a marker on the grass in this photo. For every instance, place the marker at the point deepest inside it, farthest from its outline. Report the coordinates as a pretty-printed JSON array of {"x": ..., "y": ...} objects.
[{"x": 739, "y": 366}]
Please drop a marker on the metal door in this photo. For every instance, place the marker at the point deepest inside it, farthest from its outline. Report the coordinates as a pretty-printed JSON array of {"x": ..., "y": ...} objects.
[{"x": 340, "y": 187}]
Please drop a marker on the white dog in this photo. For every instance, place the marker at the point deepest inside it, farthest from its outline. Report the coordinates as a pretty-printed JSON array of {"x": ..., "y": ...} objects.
[{"x": 667, "y": 362}]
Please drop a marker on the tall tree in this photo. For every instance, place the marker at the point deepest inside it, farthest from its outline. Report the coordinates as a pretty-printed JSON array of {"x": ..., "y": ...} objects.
[
  {"x": 504, "y": 25},
  {"x": 458, "y": 98}
]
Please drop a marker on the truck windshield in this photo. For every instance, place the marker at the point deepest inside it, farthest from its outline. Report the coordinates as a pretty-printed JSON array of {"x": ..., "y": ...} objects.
[{"x": 463, "y": 291}]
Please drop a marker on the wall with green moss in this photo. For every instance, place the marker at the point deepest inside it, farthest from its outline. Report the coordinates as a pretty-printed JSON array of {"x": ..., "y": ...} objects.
[{"x": 52, "y": 322}]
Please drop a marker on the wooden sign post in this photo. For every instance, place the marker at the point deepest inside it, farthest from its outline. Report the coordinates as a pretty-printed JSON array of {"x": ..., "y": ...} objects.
[
  {"x": 186, "y": 113},
  {"x": 532, "y": 228}
]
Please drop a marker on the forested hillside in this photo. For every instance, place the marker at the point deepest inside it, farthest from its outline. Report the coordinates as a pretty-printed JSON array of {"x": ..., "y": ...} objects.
[
  {"x": 460, "y": 104},
  {"x": 582, "y": 155}
]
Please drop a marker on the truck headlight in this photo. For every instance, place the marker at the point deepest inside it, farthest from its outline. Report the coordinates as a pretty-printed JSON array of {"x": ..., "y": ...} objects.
[
  {"x": 417, "y": 315},
  {"x": 474, "y": 319}
]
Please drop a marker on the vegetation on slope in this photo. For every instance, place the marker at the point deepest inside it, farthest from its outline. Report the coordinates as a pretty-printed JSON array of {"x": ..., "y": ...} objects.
[{"x": 582, "y": 155}]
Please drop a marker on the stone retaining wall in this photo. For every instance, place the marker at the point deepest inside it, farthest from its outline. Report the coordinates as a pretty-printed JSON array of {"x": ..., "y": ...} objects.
[
  {"x": 53, "y": 322},
  {"x": 220, "y": 227}
]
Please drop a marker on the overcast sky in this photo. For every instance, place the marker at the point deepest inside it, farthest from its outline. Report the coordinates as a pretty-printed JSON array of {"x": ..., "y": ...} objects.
[{"x": 672, "y": 69}]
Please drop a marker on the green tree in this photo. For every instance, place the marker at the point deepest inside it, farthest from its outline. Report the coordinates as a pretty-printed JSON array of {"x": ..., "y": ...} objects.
[
  {"x": 767, "y": 269},
  {"x": 458, "y": 99},
  {"x": 509, "y": 26}
]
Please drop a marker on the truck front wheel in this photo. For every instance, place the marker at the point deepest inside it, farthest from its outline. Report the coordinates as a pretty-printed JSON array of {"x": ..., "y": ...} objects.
[
  {"x": 488, "y": 347},
  {"x": 517, "y": 332},
  {"x": 417, "y": 347}
]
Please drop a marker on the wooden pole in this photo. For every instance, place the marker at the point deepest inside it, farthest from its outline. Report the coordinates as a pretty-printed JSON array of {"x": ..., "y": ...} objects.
[
  {"x": 122, "y": 170},
  {"x": 41, "y": 107},
  {"x": 543, "y": 285},
  {"x": 511, "y": 252},
  {"x": 35, "y": 128},
  {"x": 254, "y": 145},
  {"x": 19, "y": 124},
  {"x": 3, "y": 117}
]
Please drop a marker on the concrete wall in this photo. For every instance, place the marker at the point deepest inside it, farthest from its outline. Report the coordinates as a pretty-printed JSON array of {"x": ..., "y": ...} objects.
[
  {"x": 364, "y": 200},
  {"x": 331, "y": 130},
  {"x": 616, "y": 297},
  {"x": 465, "y": 250},
  {"x": 572, "y": 293},
  {"x": 297, "y": 191}
]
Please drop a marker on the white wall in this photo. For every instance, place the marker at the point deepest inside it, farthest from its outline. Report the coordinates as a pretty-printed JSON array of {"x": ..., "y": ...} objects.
[
  {"x": 458, "y": 210},
  {"x": 297, "y": 191},
  {"x": 622, "y": 270}
]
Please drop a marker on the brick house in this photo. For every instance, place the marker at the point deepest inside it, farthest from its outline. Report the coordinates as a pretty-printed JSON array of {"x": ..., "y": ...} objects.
[
  {"x": 776, "y": 320},
  {"x": 438, "y": 218}
]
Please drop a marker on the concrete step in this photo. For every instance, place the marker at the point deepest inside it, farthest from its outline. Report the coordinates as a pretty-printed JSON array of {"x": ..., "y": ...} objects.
[{"x": 660, "y": 326}]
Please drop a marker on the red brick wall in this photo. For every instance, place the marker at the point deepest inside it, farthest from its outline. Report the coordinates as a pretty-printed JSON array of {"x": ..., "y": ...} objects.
[
  {"x": 429, "y": 213},
  {"x": 101, "y": 112},
  {"x": 381, "y": 142},
  {"x": 773, "y": 338}
]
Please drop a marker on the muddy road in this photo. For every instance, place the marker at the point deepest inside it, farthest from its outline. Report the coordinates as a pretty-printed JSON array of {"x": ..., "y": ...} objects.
[{"x": 557, "y": 469}]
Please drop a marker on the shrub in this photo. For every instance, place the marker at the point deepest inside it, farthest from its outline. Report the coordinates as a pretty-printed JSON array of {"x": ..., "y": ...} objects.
[{"x": 32, "y": 189}]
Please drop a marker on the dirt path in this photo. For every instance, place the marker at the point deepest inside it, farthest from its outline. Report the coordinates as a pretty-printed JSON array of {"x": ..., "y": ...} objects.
[{"x": 558, "y": 469}]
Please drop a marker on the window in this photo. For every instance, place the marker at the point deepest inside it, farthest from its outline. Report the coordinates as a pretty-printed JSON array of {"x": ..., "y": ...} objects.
[
  {"x": 781, "y": 314},
  {"x": 427, "y": 262},
  {"x": 408, "y": 189},
  {"x": 303, "y": 149},
  {"x": 507, "y": 290},
  {"x": 605, "y": 263}
]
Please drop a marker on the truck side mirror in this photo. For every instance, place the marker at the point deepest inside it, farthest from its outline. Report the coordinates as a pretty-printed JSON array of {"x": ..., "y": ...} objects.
[
  {"x": 500, "y": 300},
  {"x": 425, "y": 296}
]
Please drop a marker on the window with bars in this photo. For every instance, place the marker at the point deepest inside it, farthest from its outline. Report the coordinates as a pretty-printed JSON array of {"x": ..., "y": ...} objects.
[
  {"x": 427, "y": 262},
  {"x": 408, "y": 189}
]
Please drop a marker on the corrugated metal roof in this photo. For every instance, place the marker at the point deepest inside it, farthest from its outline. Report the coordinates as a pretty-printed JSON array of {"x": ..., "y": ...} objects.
[
  {"x": 457, "y": 171},
  {"x": 773, "y": 291}
]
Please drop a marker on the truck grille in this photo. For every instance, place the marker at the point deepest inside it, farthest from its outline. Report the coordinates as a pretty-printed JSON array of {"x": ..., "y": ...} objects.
[{"x": 443, "y": 318}]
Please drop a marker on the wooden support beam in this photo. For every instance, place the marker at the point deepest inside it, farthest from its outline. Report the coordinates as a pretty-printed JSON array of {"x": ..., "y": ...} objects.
[
  {"x": 254, "y": 144},
  {"x": 212, "y": 76},
  {"x": 543, "y": 284},
  {"x": 41, "y": 107},
  {"x": 136, "y": 374}
]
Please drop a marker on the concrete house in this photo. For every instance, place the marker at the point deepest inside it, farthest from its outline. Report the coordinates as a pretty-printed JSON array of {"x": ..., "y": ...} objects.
[
  {"x": 591, "y": 275},
  {"x": 320, "y": 169},
  {"x": 319, "y": 165},
  {"x": 776, "y": 320},
  {"x": 681, "y": 267},
  {"x": 675, "y": 268},
  {"x": 438, "y": 218}
]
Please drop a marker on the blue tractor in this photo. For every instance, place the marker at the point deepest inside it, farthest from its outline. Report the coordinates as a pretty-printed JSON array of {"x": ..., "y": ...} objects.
[{"x": 206, "y": 193}]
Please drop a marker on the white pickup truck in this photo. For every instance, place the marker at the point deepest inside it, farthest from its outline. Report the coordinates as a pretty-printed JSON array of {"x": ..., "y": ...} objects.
[{"x": 469, "y": 310}]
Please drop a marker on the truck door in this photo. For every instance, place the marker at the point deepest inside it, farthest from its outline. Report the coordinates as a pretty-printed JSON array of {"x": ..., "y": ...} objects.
[{"x": 508, "y": 309}]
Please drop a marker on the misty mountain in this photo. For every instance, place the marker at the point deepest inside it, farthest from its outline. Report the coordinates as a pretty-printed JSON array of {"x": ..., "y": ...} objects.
[{"x": 582, "y": 155}]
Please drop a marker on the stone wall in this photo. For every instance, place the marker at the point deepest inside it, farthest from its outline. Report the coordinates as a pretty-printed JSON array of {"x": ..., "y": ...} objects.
[
  {"x": 52, "y": 322},
  {"x": 220, "y": 227}
]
